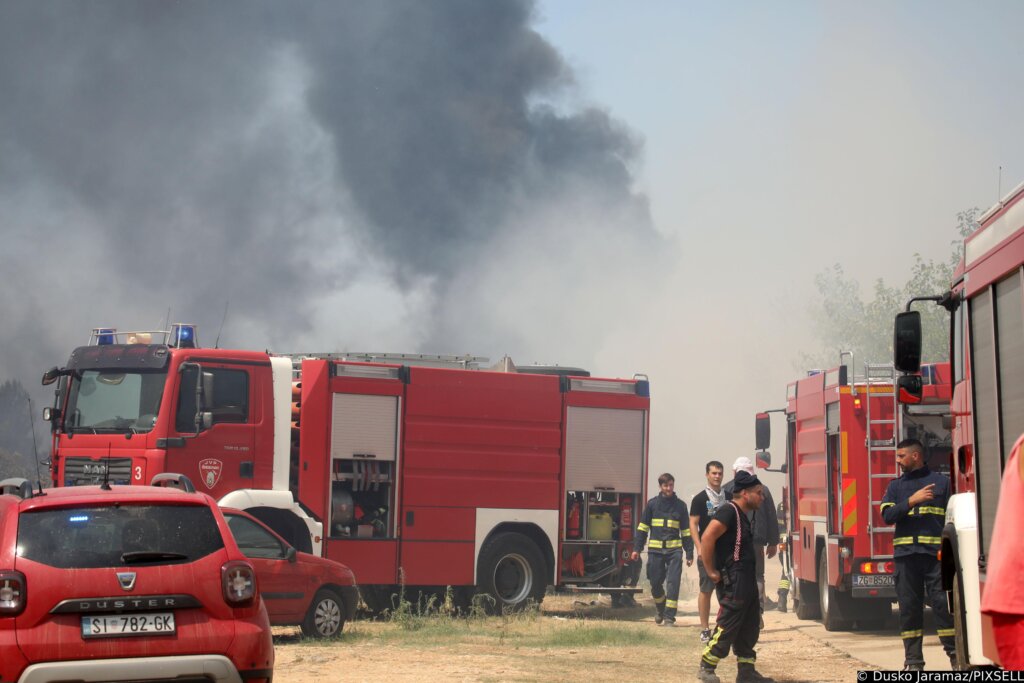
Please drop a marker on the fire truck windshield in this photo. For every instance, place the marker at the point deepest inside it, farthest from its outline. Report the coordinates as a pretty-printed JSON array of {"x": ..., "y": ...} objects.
[{"x": 114, "y": 401}]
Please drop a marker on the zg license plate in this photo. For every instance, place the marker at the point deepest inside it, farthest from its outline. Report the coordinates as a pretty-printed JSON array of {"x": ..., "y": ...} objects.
[
  {"x": 874, "y": 580},
  {"x": 113, "y": 626}
]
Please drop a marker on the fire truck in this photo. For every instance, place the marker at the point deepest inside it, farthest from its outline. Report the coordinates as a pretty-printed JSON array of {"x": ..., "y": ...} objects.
[
  {"x": 416, "y": 471},
  {"x": 841, "y": 436},
  {"x": 987, "y": 356}
]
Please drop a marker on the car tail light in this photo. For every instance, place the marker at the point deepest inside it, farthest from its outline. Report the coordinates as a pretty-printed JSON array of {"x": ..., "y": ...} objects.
[
  {"x": 238, "y": 580},
  {"x": 12, "y": 593},
  {"x": 878, "y": 567}
]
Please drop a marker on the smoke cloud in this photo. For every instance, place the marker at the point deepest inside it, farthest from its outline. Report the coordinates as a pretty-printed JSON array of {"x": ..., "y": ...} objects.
[{"x": 401, "y": 176}]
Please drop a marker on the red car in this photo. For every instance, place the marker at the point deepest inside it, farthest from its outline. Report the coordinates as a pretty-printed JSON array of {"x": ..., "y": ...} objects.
[
  {"x": 117, "y": 583},
  {"x": 297, "y": 587}
]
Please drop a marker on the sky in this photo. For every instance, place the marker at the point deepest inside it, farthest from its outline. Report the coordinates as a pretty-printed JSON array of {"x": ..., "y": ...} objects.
[{"x": 627, "y": 187}]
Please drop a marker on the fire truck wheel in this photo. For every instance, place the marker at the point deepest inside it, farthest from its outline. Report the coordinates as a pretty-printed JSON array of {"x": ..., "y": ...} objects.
[
  {"x": 807, "y": 600},
  {"x": 511, "y": 572},
  {"x": 960, "y": 624},
  {"x": 831, "y": 612},
  {"x": 326, "y": 615}
]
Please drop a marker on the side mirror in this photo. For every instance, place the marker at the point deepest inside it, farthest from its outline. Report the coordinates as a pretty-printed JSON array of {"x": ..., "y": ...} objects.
[
  {"x": 764, "y": 459},
  {"x": 290, "y": 554},
  {"x": 762, "y": 432},
  {"x": 51, "y": 375},
  {"x": 908, "y": 388},
  {"x": 906, "y": 341}
]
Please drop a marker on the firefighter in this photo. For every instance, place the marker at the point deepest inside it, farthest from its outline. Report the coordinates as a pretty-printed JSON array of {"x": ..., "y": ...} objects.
[
  {"x": 728, "y": 551},
  {"x": 665, "y": 520},
  {"x": 784, "y": 585},
  {"x": 765, "y": 528},
  {"x": 916, "y": 504}
]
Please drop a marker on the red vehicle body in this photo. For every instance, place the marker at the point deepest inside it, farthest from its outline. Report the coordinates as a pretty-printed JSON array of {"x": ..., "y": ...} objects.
[
  {"x": 298, "y": 588},
  {"x": 840, "y": 457},
  {"x": 409, "y": 474},
  {"x": 987, "y": 355},
  {"x": 85, "y": 596}
]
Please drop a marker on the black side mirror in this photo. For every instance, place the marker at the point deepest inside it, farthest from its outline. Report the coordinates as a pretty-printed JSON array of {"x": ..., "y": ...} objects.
[
  {"x": 290, "y": 554},
  {"x": 908, "y": 389},
  {"x": 51, "y": 375},
  {"x": 906, "y": 341},
  {"x": 762, "y": 431}
]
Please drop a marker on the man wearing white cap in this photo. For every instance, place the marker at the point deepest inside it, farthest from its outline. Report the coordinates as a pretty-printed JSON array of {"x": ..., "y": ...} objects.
[{"x": 763, "y": 521}]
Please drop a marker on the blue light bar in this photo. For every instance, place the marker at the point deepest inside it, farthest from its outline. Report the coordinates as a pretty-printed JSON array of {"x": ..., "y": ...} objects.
[
  {"x": 78, "y": 518},
  {"x": 183, "y": 336},
  {"x": 105, "y": 335}
]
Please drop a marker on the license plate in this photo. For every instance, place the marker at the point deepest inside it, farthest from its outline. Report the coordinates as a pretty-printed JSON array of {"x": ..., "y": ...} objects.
[
  {"x": 113, "y": 626},
  {"x": 874, "y": 580}
]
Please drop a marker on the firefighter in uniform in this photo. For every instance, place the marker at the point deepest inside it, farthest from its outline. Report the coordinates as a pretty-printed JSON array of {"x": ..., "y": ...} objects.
[
  {"x": 784, "y": 584},
  {"x": 727, "y": 550},
  {"x": 666, "y": 521},
  {"x": 916, "y": 504}
]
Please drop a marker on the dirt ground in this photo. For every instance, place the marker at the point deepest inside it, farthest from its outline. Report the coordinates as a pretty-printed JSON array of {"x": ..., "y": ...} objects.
[{"x": 569, "y": 640}]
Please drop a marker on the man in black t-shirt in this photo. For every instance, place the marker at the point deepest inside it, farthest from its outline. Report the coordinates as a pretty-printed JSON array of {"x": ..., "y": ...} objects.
[
  {"x": 727, "y": 550},
  {"x": 702, "y": 507}
]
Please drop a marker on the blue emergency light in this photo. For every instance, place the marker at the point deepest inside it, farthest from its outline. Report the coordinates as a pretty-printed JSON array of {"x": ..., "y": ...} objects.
[
  {"x": 105, "y": 335},
  {"x": 183, "y": 336}
]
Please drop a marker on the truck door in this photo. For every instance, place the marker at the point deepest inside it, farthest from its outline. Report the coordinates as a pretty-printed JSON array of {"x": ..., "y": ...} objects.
[
  {"x": 360, "y": 523},
  {"x": 218, "y": 459}
]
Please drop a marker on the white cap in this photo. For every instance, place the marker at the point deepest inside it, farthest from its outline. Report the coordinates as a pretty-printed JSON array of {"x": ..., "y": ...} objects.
[{"x": 743, "y": 463}]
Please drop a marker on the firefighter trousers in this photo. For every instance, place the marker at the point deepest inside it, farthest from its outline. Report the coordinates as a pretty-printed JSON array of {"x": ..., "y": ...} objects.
[
  {"x": 665, "y": 568},
  {"x": 739, "y": 615},
  {"x": 919, "y": 577}
]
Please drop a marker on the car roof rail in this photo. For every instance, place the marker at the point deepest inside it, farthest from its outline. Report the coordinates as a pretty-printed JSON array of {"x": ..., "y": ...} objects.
[
  {"x": 173, "y": 480},
  {"x": 18, "y": 486}
]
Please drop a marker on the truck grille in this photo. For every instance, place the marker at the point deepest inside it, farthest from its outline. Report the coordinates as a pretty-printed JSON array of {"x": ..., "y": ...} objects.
[{"x": 83, "y": 471}]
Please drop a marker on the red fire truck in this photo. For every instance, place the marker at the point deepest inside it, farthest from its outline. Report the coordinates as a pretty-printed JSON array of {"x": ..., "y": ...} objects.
[
  {"x": 840, "y": 457},
  {"x": 412, "y": 470},
  {"x": 987, "y": 354}
]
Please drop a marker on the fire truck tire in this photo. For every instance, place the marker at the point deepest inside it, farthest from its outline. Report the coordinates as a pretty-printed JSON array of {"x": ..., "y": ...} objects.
[
  {"x": 326, "y": 615},
  {"x": 511, "y": 572},
  {"x": 831, "y": 610},
  {"x": 807, "y": 606},
  {"x": 960, "y": 625}
]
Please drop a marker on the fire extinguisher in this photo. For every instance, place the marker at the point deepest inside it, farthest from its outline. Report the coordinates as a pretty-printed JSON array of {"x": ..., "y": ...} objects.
[
  {"x": 573, "y": 525},
  {"x": 626, "y": 519}
]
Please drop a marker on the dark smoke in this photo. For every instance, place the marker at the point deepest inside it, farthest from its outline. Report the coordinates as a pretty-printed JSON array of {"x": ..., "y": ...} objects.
[{"x": 279, "y": 155}]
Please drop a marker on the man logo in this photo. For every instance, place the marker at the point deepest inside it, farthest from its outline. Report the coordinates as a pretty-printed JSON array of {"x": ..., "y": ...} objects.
[{"x": 126, "y": 579}]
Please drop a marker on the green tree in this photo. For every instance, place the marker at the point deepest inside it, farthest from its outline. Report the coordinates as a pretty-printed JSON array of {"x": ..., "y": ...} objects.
[{"x": 842, "y": 320}]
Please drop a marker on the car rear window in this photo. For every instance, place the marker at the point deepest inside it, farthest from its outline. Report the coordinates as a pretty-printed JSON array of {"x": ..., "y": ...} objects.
[{"x": 118, "y": 535}]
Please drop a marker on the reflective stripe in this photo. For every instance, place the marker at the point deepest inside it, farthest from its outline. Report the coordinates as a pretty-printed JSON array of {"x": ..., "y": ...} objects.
[
  {"x": 946, "y": 632},
  {"x": 672, "y": 523},
  {"x": 919, "y": 633},
  {"x": 686, "y": 533},
  {"x": 654, "y": 543},
  {"x": 672, "y": 604},
  {"x": 658, "y": 601},
  {"x": 674, "y": 543},
  {"x": 642, "y": 527},
  {"x": 903, "y": 540},
  {"x": 885, "y": 505},
  {"x": 746, "y": 660},
  {"x": 784, "y": 584},
  {"x": 927, "y": 510},
  {"x": 929, "y": 540},
  {"x": 657, "y": 521}
]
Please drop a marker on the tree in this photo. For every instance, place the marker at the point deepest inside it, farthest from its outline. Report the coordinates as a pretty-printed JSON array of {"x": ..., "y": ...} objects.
[
  {"x": 843, "y": 321},
  {"x": 15, "y": 428}
]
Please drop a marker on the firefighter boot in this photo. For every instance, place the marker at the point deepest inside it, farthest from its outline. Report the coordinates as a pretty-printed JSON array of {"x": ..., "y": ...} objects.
[
  {"x": 746, "y": 673},
  {"x": 783, "y": 595},
  {"x": 706, "y": 674}
]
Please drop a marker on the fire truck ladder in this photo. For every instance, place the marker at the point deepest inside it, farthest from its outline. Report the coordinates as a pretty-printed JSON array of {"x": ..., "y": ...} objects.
[{"x": 880, "y": 388}]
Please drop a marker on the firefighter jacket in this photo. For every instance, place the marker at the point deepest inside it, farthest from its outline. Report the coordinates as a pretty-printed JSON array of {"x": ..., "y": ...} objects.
[
  {"x": 667, "y": 521},
  {"x": 918, "y": 528}
]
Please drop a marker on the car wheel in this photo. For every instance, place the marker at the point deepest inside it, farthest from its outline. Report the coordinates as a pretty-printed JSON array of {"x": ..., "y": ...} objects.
[
  {"x": 326, "y": 616},
  {"x": 512, "y": 572}
]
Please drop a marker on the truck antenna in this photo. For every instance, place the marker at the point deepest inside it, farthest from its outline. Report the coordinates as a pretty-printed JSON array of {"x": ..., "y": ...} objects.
[
  {"x": 224, "y": 317},
  {"x": 35, "y": 448},
  {"x": 167, "y": 320},
  {"x": 999, "y": 188}
]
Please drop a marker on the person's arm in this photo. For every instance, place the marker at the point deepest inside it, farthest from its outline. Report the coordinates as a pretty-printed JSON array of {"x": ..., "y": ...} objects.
[
  {"x": 894, "y": 510},
  {"x": 712, "y": 533},
  {"x": 642, "y": 529}
]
